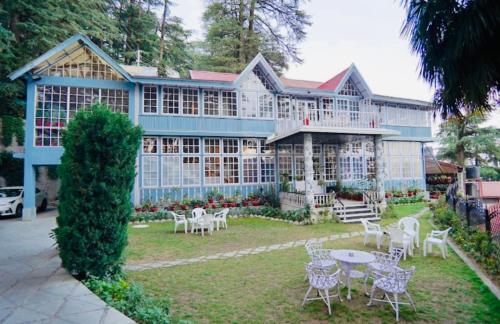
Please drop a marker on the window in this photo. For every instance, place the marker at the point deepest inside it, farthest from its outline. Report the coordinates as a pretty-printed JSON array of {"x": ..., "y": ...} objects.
[
  {"x": 299, "y": 168},
  {"x": 230, "y": 145},
  {"x": 229, "y": 103},
  {"x": 212, "y": 170},
  {"x": 191, "y": 170},
  {"x": 171, "y": 171},
  {"x": 328, "y": 108},
  {"x": 211, "y": 102},
  {"x": 370, "y": 167},
  {"x": 285, "y": 149},
  {"x": 345, "y": 167},
  {"x": 231, "y": 169},
  {"x": 285, "y": 167},
  {"x": 249, "y": 104},
  {"x": 191, "y": 145},
  {"x": 87, "y": 66},
  {"x": 171, "y": 101},
  {"x": 267, "y": 169},
  {"x": 354, "y": 109},
  {"x": 250, "y": 169},
  {"x": 330, "y": 162},
  {"x": 170, "y": 145},
  {"x": 403, "y": 160},
  {"x": 150, "y": 171},
  {"x": 284, "y": 107},
  {"x": 150, "y": 99},
  {"x": 212, "y": 146},
  {"x": 357, "y": 163},
  {"x": 149, "y": 145},
  {"x": 349, "y": 89},
  {"x": 249, "y": 146},
  {"x": 266, "y": 105},
  {"x": 190, "y": 101},
  {"x": 266, "y": 148}
]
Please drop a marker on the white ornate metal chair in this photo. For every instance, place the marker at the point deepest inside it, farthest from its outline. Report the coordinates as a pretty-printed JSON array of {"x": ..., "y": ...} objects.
[
  {"x": 438, "y": 238},
  {"x": 319, "y": 256},
  {"x": 395, "y": 284},
  {"x": 411, "y": 226},
  {"x": 180, "y": 220},
  {"x": 323, "y": 280},
  {"x": 384, "y": 263},
  {"x": 221, "y": 218},
  {"x": 401, "y": 239},
  {"x": 373, "y": 230}
]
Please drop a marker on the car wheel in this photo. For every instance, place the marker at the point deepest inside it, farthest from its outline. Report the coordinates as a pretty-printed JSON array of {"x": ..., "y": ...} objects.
[
  {"x": 43, "y": 206},
  {"x": 19, "y": 210}
]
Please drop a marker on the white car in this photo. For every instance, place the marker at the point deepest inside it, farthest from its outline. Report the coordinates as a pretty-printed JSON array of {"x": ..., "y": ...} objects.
[{"x": 11, "y": 201}]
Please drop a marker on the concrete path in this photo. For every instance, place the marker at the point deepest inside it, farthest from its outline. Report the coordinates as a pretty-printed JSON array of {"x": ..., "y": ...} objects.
[
  {"x": 33, "y": 286},
  {"x": 240, "y": 253}
]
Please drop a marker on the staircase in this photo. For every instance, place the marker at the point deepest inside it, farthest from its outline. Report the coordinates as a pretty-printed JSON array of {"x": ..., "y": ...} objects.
[{"x": 355, "y": 212}]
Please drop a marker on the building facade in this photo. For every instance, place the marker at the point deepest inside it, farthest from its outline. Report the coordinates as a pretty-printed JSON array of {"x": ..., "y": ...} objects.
[{"x": 234, "y": 133}]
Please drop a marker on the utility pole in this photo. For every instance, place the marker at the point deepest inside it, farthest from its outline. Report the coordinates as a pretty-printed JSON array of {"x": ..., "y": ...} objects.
[{"x": 138, "y": 58}]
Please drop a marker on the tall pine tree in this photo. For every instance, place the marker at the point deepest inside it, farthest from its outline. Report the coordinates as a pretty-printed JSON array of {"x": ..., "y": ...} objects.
[{"x": 238, "y": 29}]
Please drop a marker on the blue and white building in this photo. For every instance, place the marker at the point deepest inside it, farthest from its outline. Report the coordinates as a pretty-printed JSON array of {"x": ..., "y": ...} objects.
[{"x": 237, "y": 133}]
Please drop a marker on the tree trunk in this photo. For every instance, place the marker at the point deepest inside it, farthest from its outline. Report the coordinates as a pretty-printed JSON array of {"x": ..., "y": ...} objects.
[
  {"x": 249, "y": 41},
  {"x": 161, "y": 66},
  {"x": 241, "y": 22}
]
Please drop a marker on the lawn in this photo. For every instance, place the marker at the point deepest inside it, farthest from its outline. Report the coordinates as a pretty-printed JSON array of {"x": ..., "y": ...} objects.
[
  {"x": 159, "y": 243},
  {"x": 269, "y": 287}
]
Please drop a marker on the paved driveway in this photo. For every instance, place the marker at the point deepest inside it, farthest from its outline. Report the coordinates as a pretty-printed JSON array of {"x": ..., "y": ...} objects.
[{"x": 33, "y": 286}]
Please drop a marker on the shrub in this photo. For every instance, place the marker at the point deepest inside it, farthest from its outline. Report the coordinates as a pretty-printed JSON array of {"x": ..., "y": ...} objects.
[
  {"x": 11, "y": 169},
  {"x": 129, "y": 298},
  {"x": 97, "y": 175}
]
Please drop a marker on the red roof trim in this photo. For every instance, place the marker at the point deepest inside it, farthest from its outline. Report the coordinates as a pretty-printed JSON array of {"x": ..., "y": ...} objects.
[{"x": 212, "y": 76}]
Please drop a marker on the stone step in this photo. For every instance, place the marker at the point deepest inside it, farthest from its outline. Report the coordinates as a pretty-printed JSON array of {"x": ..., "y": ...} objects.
[
  {"x": 358, "y": 220},
  {"x": 357, "y": 215},
  {"x": 355, "y": 210}
]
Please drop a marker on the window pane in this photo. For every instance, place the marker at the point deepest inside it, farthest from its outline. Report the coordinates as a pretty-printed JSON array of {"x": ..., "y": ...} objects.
[
  {"x": 267, "y": 169},
  {"x": 249, "y": 146},
  {"x": 250, "y": 169},
  {"x": 230, "y": 145},
  {"x": 231, "y": 170},
  {"x": 150, "y": 99},
  {"x": 191, "y": 170},
  {"x": 212, "y": 146},
  {"x": 149, "y": 145},
  {"x": 212, "y": 170},
  {"x": 266, "y": 106},
  {"x": 211, "y": 102},
  {"x": 150, "y": 171},
  {"x": 171, "y": 170},
  {"x": 229, "y": 104},
  {"x": 170, "y": 101},
  {"x": 190, "y": 101},
  {"x": 170, "y": 145},
  {"x": 191, "y": 145}
]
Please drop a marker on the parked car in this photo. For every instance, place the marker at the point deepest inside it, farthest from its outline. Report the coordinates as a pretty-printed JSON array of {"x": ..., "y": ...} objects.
[{"x": 11, "y": 201}]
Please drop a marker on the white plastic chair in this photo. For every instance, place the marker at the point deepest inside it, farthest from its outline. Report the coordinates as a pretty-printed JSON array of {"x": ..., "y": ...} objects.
[
  {"x": 395, "y": 284},
  {"x": 384, "y": 264},
  {"x": 401, "y": 239},
  {"x": 221, "y": 217},
  {"x": 198, "y": 221},
  {"x": 411, "y": 226},
  {"x": 322, "y": 279},
  {"x": 438, "y": 238},
  {"x": 180, "y": 220},
  {"x": 373, "y": 230}
]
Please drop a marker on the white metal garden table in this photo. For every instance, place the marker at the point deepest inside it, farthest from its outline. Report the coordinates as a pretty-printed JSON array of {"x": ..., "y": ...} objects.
[{"x": 349, "y": 259}]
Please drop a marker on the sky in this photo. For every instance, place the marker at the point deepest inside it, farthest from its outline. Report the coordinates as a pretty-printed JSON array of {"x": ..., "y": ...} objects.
[{"x": 364, "y": 32}]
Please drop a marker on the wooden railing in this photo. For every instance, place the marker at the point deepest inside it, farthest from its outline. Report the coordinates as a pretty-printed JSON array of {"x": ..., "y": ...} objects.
[
  {"x": 299, "y": 199},
  {"x": 370, "y": 198}
]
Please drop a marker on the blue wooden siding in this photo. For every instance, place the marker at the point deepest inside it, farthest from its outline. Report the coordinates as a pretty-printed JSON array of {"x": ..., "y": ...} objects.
[
  {"x": 410, "y": 131},
  {"x": 205, "y": 126}
]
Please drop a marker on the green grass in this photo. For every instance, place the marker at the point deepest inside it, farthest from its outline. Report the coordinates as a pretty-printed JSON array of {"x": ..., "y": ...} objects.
[
  {"x": 269, "y": 287},
  {"x": 158, "y": 242}
]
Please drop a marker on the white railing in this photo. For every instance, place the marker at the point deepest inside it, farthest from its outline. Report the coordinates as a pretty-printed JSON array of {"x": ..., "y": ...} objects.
[
  {"x": 293, "y": 199},
  {"x": 339, "y": 119},
  {"x": 324, "y": 200}
]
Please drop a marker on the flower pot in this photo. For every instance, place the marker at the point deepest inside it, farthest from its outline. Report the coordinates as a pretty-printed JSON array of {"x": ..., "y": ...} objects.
[
  {"x": 138, "y": 209},
  {"x": 184, "y": 207},
  {"x": 316, "y": 206},
  {"x": 154, "y": 209}
]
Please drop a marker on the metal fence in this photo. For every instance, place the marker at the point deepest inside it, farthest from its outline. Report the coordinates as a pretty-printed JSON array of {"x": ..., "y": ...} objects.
[{"x": 473, "y": 213}]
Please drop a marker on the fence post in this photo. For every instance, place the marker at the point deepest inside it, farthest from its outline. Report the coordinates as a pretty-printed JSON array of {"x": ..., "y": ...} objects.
[
  {"x": 487, "y": 220},
  {"x": 467, "y": 213}
]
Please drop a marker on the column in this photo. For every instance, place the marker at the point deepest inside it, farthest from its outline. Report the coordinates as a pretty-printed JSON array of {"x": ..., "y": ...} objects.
[
  {"x": 29, "y": 205},
  {"x": 309, "y": 169},
  {"x": 379, "y": 169}
]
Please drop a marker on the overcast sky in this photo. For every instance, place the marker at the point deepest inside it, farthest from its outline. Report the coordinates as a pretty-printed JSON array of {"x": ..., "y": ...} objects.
[{"x": 363, "y": 32}]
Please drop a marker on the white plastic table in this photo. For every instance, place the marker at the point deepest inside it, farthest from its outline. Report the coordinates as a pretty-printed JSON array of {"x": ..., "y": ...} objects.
[{"x": 348, "y": 260}]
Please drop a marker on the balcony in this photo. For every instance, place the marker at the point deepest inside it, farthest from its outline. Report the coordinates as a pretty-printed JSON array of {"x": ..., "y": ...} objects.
[{"x": 337, "y": 121}]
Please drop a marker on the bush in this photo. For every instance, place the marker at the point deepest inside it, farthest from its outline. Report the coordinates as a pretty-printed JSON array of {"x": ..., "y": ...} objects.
[
  {"x": 129, "y": 298},
  {"x": 11, "y": 169},
  {"x": 97, "y": 176}
]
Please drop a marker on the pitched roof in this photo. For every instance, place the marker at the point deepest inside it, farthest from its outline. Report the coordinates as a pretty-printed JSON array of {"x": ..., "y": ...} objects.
[
  {"x": 489, "y": 189},
  {"x": 212, "y": 76},
  {"x": 334, "y": 82},
  {"x": 305, "y": 84}
]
